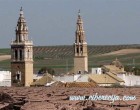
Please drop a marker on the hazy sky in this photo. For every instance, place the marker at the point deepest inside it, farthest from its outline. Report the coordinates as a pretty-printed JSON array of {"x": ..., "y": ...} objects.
[{"x": 53, "y": 22}]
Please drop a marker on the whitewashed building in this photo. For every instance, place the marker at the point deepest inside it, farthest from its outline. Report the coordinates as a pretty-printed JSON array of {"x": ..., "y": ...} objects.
[
  {"x": 72, "y": 78},
  {"x": 130, "y": 80},
  {"x": 96, "y": 70},
  {"x": 5, "y": 78}
]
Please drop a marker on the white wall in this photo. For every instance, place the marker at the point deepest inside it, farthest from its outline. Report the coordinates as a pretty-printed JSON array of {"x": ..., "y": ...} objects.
[
  {"x": 71, "y": 78},
  {"x": 77, "y": 76},
  {"x": 65, "y": 78},
  {"x": 104, "y": 84},
  {"x": 83, "y": 78},
  {"x": 130, "y": 80},
  {"x": 5, "y": 78},
  {"x": 36, "y": 76},
  {"x": 96, "y": 70}
]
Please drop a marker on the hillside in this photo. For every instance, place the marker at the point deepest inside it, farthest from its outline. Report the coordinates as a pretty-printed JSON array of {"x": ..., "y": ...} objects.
[
  {"x": 122, "y": 52},
  {"x": 61, "y": 57},
  {"x": 67, "y": 51}
]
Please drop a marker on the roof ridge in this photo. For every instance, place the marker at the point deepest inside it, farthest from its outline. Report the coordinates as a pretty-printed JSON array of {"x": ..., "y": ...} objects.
[{"x": 115, "y": 77}]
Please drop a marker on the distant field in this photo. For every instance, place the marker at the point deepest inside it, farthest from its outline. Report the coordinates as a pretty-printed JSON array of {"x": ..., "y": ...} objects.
[
  {"x": 61, "y": 57},
  {"x": 5, "y": 51}
]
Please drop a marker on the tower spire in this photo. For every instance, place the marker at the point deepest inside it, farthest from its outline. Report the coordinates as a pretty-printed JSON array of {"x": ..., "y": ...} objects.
[
  {"x": 80, "y": 35},
  {"x": 21, "y": 29}
]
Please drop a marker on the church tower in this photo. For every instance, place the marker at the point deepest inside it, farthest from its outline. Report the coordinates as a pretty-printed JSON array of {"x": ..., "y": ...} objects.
[
  {"x": 80, "y": 48},
  {"x": 21, "y": 55}
]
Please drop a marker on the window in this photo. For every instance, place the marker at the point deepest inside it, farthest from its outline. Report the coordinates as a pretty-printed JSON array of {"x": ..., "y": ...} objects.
[
  {"x": 16, "y": 54},
  {"x": 96, "y": 72},
  {"x": 77, "y": 50},
  {"x": 81, "y": 49},
  {"x": 20, "y": 54},
  {"x": 18, "y": 75},
  {"x": 28, "y": 54},
  {"x": 19, "y": 38},
  {"x": 79, "y": 72},
  {"x": 79, "y": 38}
]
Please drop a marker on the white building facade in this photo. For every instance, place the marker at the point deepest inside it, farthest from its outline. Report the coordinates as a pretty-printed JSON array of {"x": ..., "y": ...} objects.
[
  {"x": 130, "y": 80},
  {"x": 5, "y": 78},
  {"x": 96, "y": 70},
  {"x": 72, "y": 78}
]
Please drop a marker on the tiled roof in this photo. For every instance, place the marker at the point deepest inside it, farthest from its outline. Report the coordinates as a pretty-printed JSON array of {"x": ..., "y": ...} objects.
[
  {"x": 58, "y": 84},
  {"x": 43, "y": 81},
  {"x": 114, "y": 69},
  {"x": 105, "y": 78},
  {"x": 115, "y": 77},
  {"x": 81, "y": 84}
]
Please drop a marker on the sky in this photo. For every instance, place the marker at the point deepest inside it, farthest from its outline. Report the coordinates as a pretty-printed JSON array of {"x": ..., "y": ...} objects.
[{"x": 53, "y": 22}]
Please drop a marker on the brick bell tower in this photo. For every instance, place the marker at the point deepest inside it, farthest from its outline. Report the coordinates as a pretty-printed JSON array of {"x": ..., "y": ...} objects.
[
  {"x": 80, "y": 48},
  {"x": 21, "y": 55}
]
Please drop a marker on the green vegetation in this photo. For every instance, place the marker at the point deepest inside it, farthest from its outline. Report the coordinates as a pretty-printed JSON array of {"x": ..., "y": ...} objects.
[
  {"x": 134, "y": 69},
  {"x": 5, "y": 65},
  {"x": 44, "y": 70},
  {"x": 60, "y": 58},
  {"x": 4, "y": 51}
]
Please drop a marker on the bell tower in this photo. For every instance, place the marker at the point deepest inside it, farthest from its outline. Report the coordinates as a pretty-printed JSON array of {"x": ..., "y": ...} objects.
[
  {"x": 21, "y": 55},
  {"x": 80, "y": 48}
]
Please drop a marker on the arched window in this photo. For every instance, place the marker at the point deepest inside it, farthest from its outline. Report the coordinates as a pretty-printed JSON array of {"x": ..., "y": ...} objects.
[
  {"x": 77, "y": 49},
  {"x": 20, "y": 38},
  {"x": 16, "y": 54},
  {"x": 18, "y": 75},
  {"x": 81, "y": 49},
  {"x": 79, "y": 38},
  {"x": 20, "y": 54},
  {"x": 28, "y": 53}
]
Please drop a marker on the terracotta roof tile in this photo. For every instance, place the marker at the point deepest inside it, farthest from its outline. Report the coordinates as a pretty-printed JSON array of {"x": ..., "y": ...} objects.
[{"x": 105, "y": 78}]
